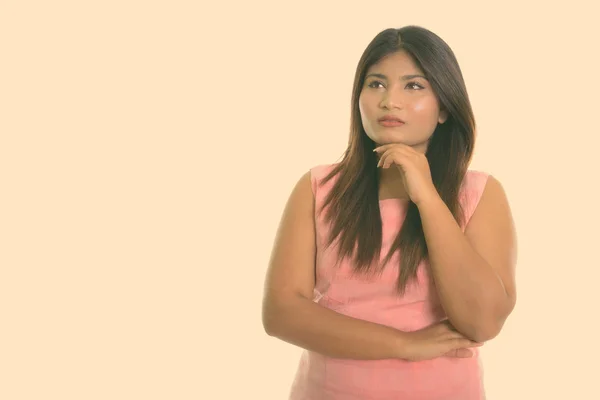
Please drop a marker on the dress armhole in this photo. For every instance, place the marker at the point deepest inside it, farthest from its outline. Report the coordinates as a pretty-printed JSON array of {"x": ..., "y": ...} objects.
[
  {"x": 313, "y": 181},
  {"x": 476, "y": 182}
]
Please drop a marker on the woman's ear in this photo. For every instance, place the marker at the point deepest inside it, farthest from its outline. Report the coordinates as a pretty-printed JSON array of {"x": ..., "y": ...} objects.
[{"x": 443, "y": 116}]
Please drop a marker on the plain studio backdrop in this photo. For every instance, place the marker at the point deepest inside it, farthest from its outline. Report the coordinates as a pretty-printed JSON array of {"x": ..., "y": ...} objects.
[{"x": 148, "y": 150}]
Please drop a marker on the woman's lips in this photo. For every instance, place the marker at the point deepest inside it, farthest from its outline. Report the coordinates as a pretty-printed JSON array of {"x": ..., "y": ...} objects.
[{"x": 390, "y": 123}]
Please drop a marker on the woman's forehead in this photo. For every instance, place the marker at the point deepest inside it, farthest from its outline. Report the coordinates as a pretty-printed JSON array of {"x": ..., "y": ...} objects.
[{"x": 396, "y": 64}]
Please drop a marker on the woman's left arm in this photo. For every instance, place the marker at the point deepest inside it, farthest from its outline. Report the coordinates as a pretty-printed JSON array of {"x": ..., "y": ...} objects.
[{"x": 474, "y": 271}]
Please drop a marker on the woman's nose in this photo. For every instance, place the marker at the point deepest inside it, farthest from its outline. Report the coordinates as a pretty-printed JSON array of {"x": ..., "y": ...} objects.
[{"x": 392, "y": 99}]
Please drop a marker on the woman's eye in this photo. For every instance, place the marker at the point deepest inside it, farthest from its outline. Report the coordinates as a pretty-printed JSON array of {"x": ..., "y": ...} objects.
[
  {"x": 412, "y": 85},
  {"x": 374, "y": 84},
  {"x": 415, "y": 85}
]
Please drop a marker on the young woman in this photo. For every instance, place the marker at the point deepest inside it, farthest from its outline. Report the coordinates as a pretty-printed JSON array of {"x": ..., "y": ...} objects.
[{"x": 393, "y": 265}]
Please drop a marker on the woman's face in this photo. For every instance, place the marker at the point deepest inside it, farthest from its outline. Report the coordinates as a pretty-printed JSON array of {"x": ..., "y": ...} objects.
[{"x": 396, "y": 87}]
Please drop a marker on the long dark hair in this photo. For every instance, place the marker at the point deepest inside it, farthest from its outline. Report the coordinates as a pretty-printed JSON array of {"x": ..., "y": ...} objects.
[{"x": 354, "y": 200}]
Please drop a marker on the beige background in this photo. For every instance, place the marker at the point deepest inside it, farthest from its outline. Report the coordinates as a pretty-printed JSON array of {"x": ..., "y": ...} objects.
[{"x": 148, "y": 149}]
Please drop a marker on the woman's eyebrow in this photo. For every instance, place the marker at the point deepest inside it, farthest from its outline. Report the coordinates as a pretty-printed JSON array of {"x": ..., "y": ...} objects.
[{"x": 404, "y": 78}]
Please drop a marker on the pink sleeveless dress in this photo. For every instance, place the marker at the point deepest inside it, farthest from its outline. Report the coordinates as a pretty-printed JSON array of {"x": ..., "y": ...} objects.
[{"x": 374, "y": 299}]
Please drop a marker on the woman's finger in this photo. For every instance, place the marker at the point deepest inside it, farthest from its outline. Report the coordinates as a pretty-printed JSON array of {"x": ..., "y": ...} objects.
[
  {"x": 384, "y": 158},
  {"x": 460, "y": 353},
  {"x": 464, "y": 342},
  {"x": 451, "y": 334},
  {"x": 390, "y": 157}
]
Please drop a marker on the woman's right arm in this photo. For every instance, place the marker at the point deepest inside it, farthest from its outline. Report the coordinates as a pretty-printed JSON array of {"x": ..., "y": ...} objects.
[{"x": 288, "y": 310}]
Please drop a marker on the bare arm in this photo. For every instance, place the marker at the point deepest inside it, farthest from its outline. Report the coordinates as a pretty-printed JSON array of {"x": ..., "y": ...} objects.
[
  {"x": 288, "y": 310},
  {"x": 474, "y": 270}
]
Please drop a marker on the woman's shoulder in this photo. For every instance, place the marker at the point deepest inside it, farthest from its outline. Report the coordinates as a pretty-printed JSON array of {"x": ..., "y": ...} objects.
[
  {"x": 472, "y": 188},
  {"x": 475, "y": 180},
  {"x": 321, "y": 170},
  {"x": 318, "y": 173}
]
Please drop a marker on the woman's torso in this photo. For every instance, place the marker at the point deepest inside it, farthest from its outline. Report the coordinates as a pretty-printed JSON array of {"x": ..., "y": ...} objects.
[{"x": 375, "y": 299}]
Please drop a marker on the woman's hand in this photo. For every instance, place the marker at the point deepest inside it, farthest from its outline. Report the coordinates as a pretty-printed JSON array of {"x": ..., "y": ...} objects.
[
  {"x": 437, "y": 340},
  {"x": 413, "y": 167}
]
